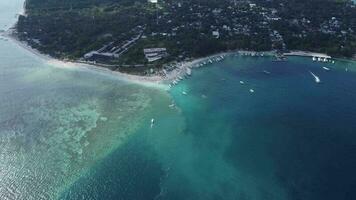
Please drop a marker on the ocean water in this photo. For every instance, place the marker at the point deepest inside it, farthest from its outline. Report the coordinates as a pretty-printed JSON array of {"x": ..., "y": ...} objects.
[
  {"x": 72, "y": 133},
  {"x": 292, "y": 138}
]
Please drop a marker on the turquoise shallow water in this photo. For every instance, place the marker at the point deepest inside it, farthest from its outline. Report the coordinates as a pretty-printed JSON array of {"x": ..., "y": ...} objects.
[
  {"x": 74, "y": 133},
  {"x": 57, "y": 122}
]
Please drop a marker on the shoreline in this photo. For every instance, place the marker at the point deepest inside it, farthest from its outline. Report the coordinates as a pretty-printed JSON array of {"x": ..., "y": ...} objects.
[
  {"x": 51, "y": 60},
  {"x": 179, "y": 71}
]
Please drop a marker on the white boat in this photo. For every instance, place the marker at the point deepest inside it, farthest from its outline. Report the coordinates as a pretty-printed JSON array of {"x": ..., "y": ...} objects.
[
  {"x": 189, "y": 72},
  {"x": 327, "y": 69},
  {"x": 317, "y": 79},
  {"x": 184, "y": 93},
  {"x": 241, "y": 82},
  {"x": 252, "y": 90},
  {"x": 314, "y": 59},
  {"x": 332, "y": 62},
  {"x": 266, "y": 72},
  {"x": 152, "y": 122}
]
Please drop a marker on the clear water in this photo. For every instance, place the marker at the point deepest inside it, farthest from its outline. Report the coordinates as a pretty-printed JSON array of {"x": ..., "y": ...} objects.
[
  {"x": 58, "y": 121},
  {"x": 290, "y": 139},
  {"x": 74, "y": 133}
]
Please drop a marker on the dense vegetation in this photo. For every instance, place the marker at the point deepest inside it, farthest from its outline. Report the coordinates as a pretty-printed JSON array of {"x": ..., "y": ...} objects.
[{"x": 71, "y": 28}]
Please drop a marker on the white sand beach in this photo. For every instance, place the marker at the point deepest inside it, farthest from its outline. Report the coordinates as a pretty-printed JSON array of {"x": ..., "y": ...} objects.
[
  {"x": 162, "y": 78},
  {"x": 307, "y": 54}
]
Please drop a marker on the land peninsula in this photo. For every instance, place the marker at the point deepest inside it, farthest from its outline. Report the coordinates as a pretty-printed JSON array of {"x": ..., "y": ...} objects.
[{"x": 152, "y": 37}]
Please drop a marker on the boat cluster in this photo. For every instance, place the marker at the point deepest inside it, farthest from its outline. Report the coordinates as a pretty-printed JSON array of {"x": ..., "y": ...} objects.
[
  {"x": 322, "y": 59},
  {"x": 210, "y": 61},
  {"x": 251, "y": 53},
  {"x": 187, "y": 71},
  {"x": 4, "y": 39},
  {"x": 176, "y": 81}
]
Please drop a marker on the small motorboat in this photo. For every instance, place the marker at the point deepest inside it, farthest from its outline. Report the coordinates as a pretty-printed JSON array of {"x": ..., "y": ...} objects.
[
  {"x": 326, "y": 68},
  {"x": 189, "y": 72},
  {"x": 152, "y": 122},
  {"x": 317, "y": 79},
  {"x": 266, "y": 72}
]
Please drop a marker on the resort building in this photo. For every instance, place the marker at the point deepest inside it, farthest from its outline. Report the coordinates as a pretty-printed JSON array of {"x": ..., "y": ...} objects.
[{"x": 153, "y": 54}]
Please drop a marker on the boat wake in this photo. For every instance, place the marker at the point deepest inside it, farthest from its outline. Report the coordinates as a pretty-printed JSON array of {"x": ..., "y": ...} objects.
[{"x": 317, "y": 79}]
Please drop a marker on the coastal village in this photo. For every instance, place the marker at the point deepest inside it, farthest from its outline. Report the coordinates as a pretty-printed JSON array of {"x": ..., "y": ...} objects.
[{"x": 165, "y": 33}]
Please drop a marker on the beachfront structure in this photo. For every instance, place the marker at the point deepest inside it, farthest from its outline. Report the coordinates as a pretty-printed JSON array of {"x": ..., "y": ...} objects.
[
  {"x": 112, "y": 50},
  {"x": 153, "y": 54},
  {"x": 153, "y": 1}
]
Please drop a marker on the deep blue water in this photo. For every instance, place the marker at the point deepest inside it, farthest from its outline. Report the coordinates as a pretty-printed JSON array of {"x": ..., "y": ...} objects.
[{"x": 291, "y": 139}]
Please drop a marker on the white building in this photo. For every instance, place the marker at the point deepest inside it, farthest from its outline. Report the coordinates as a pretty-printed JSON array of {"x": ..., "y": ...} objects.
[{"x": 153, "y": 54}]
